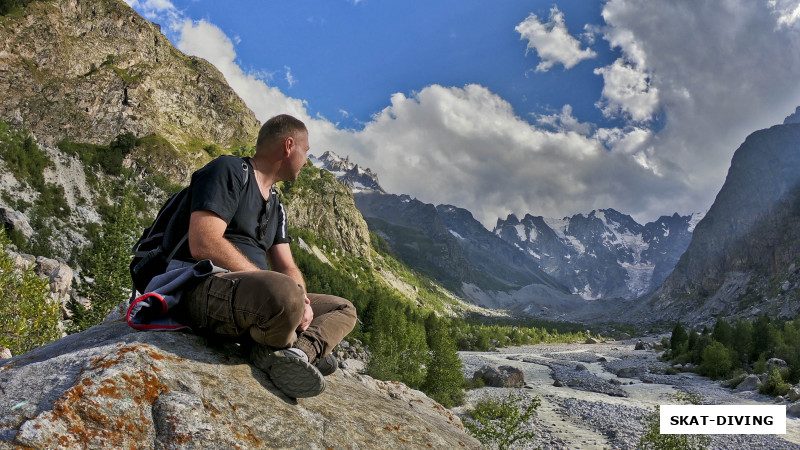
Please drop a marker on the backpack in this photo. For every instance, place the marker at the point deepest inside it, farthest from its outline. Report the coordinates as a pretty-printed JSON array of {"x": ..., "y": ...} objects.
[{"x": 160, "y": 241}]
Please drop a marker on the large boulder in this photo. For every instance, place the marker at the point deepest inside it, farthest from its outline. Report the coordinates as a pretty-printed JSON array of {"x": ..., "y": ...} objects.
[
  {"x": 113, "y": 387},
  {"x": 15, "y": 220},
  {"x": 503, "y": 376},
  {"x": 750, "y": 383}
]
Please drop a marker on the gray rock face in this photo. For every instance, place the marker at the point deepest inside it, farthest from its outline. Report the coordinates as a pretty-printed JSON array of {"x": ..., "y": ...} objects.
[
  {"x": 113, "y": 387},
  {"x": 749, "y": 238},
  {"x": 503, "y": 376},
  {"x": 15, "y": 220}
]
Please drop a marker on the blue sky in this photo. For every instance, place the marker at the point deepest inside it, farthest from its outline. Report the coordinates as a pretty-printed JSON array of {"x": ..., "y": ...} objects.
[{"x": 549, "y": 108}]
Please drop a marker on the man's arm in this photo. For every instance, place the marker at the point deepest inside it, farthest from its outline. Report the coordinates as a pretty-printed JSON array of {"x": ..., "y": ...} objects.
[
  {"x": 207, "y": 241},
  {"x": 281, "y": 260}
]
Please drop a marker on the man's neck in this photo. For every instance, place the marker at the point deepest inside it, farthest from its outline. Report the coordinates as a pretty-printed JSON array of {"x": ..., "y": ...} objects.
[{"x": 264, "y": 178}]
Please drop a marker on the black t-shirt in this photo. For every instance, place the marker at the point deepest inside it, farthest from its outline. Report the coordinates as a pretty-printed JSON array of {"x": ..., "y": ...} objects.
[{"x": 254, "y": 225}]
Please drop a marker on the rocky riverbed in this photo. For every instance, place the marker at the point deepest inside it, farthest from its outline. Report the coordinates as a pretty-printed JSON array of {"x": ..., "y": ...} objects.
[{"x": 587, "y": 405}]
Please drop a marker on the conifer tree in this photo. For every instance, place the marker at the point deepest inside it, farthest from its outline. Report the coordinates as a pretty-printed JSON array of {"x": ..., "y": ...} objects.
[
  {"x": 443, "y": 379},
  {"x": 105, "y": 276}
]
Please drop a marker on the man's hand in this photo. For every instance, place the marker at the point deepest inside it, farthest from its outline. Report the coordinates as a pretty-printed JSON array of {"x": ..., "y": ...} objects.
[{"x": 308, "y": 315}]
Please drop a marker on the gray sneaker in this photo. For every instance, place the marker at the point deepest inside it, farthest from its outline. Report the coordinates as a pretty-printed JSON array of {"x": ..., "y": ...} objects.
[
  {"x": 326, "y": 365},
  {"x": 289, "y": 370}
]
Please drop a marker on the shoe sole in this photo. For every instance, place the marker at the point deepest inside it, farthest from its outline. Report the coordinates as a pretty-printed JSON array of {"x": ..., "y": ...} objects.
[{"x": 293, "y": 376}]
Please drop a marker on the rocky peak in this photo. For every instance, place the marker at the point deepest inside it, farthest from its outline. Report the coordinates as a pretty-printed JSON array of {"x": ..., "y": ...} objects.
[
  {"x": 111, "y": 386},
  {"x": 351, "y": 175},
  {"x": 793, "y": 118}
]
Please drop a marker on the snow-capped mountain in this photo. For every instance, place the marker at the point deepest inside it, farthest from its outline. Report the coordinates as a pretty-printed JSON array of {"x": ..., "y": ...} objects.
[
  {"x": 606, "y": 254},
  {"x": 349, "y": 174}
]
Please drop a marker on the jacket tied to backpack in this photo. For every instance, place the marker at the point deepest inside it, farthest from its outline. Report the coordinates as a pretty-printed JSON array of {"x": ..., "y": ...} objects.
[{"x": 150, "y": 311}]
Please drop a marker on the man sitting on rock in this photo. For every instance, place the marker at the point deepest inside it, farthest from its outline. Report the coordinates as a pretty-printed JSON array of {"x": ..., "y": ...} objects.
[{"x": 238, "y": 223}]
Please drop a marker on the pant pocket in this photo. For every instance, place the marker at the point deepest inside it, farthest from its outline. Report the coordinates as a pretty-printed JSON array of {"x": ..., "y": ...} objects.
[{"x": 219, "y": 307}]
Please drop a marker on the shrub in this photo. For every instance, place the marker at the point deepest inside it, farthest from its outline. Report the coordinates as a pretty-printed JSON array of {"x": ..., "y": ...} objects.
[
  {"x": 502, "y": 423},
  {"x": 28, "y": 317},
  {"x": 23, "y": 158},
  {"x": 774, "y": 385}
]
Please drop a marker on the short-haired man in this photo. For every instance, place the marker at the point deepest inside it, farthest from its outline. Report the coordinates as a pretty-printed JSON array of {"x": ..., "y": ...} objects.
[{"x": 238, "y": 223}]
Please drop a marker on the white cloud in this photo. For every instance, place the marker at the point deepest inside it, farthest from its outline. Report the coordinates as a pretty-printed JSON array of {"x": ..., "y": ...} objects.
[
  {"x": 289, "y": 77},
  {"x": 627, "y": 92},
  {"x": 155, "y": 10},
  {"x": 788, "y": 12},
  {"x": 564, "y": 122},
  {"x": 715, "y": 72},
  {"x": 209, "y": 42},
  {"x": 465, "y": 146},
  {"x": 552, "y": 41}
]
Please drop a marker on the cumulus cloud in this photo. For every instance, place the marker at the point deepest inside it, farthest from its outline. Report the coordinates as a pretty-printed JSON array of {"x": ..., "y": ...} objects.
[
  {"x": 627, "y": 91},
  {"x": 552, "y": 41},
  {"x": 207, "y": 41},
  {"x": 289, "y": 77},
  {"x": 465, "y": 146}
]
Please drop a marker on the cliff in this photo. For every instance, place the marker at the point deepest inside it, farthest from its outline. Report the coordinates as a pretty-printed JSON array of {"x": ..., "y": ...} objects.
[
  {"x": 744, "y": 257},
  {"x": 113, "y": 387},
  {"x": 89, "y": 70}
]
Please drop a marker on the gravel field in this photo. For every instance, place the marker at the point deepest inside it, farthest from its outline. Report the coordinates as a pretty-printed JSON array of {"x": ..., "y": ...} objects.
[{"x": 597, "y": 409}]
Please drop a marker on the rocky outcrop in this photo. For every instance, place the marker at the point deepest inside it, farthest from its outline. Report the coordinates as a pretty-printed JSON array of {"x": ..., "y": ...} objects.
[
  {"x": 13, "y": 220},
  {"x": 89, "y": 70},
  {"x": 113, "y": 387},
  {"x": 317, "y": 203}
]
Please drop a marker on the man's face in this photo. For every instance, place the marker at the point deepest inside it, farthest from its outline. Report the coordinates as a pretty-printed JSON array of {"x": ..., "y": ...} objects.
[{"x": 299, "y": 156}]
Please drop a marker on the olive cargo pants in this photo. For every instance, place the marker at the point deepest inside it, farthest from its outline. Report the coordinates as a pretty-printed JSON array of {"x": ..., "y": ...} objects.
[{"x": 268, "y": 306}]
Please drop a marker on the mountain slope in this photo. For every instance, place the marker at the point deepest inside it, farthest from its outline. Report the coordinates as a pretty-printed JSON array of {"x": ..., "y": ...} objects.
[
  {"x": 744, "y": 257},
  {"x": 89, "y": 70}
]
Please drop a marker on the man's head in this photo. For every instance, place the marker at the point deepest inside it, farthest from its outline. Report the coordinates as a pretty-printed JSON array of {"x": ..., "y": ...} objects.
[
  {"x": 285, "y": 140},
  {"x": 279, "y": 127}
]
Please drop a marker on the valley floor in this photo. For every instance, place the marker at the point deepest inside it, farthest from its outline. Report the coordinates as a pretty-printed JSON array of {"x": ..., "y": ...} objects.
[{"x": 596, "y": 409}]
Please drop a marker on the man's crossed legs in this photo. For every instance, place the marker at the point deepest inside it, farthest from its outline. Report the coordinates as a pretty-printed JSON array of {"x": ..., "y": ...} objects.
[{"x": 268, "y": 307}]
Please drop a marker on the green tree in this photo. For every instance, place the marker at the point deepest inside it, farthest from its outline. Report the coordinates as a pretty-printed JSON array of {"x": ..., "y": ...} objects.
[
  {"x": 774, "y": 385},
  {"x": 678, "y": 338},
  {"x": 716, "y": 361},
  {"x": 502, "y": 423},
  {"x": 398, "y": 348},
  {"x": 764, "y": 337},
  {"x": 443, "y": 378},
  {"x": 28, "y": 317},
  {"x": 743, "y": 340},
  {"x": 105, "y": 276},
  {"x": 723, "y": 333}
]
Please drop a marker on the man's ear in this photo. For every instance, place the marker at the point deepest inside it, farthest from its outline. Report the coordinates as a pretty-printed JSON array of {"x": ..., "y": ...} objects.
[{"x": 288, "y": 146}]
